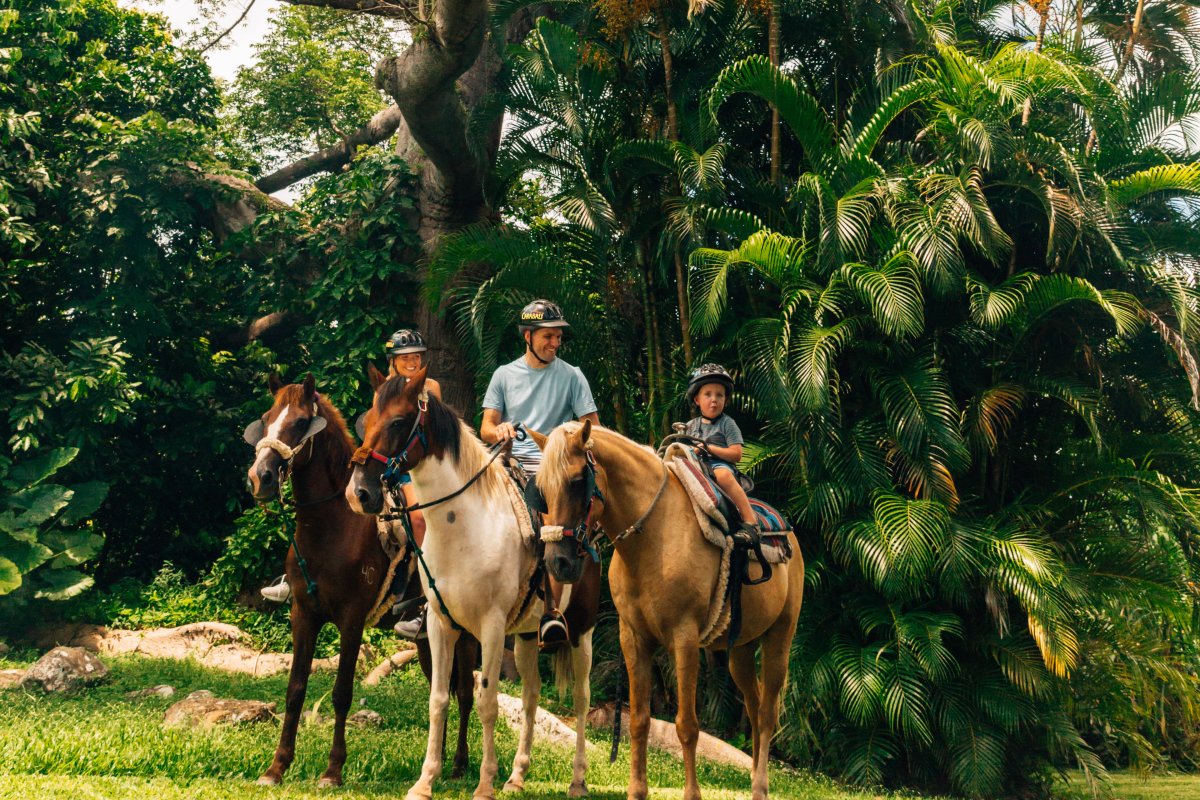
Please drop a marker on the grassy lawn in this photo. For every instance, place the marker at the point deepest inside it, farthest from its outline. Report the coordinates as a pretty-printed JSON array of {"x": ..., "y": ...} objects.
[{"x": 98, "y": 744}]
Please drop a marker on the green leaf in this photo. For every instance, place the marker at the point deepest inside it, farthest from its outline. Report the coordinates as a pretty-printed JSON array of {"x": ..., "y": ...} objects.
[
  {"x": 87, "y": 499},
  {"x": 40, "y": 503},
  {"x": 28, "y": 556},
  {"x": 34, "y": 471},
  {"x": 74, "y": 548},
  {"x": 10, "y": 576},
  {"x": 62, "y": 584}
]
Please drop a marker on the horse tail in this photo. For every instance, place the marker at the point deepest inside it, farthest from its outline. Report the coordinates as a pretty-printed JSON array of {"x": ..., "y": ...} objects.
[{"x": 564, "y": 672}]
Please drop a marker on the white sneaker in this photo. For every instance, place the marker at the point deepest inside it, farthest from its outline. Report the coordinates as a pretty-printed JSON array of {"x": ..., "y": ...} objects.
[
  {"x": 277, "y": 591},
  {"x": 412, "y": 628}
]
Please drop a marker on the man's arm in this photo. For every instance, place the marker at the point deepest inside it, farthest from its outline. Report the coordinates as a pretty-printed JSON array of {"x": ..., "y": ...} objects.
[
  {"x": 594, "y": 417},
  {"x": 493, "y": 430}
]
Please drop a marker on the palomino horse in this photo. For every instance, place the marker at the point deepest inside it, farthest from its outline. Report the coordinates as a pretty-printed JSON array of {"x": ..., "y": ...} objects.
[
  {"x": 663, "y": 576},
  {"x": 304, "y": 436},
  {"x": 481, "y": 568}
]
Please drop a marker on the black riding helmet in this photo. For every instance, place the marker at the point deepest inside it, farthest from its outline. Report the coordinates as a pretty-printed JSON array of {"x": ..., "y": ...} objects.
[
  {"x": 541, "y": 314},
  {"x": 705, "y": 374},
  {"x": 405, "y": 341}
]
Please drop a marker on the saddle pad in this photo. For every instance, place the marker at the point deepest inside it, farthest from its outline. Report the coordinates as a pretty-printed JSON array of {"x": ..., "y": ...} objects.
[
  {"x": 704, "y": 493},
  {"x": 770, "y": 520}
]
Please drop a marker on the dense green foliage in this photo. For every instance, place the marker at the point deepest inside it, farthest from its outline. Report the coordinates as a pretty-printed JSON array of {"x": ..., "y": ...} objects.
[{"x": 960, "y": 303}]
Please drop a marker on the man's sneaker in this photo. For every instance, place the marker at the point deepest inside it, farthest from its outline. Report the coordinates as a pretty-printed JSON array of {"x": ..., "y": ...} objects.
[
  {"x": 747, "y": 535},
  {"x": 552, "y": 632},
  {"x": 412, "y": 628},
  {"x": 277, "y": 591}
]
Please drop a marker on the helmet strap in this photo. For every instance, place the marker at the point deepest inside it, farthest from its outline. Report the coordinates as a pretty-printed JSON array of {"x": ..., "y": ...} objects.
[{"x": 529, "y": 348}]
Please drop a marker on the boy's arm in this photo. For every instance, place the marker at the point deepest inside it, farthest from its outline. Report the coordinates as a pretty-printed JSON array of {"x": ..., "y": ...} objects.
[{"x": 731, "y": 453}]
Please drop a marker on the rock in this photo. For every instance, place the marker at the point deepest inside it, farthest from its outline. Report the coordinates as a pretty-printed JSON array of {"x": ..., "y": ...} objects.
[
  {"x": 663, "y": 737},
  {"x": 64, "y": 669},
  {"x": 11, "y": 678},
  {"x": 3, "y": 648},
  {"x": 365, "y": 718},
  {"x": 162, "y": 690},
  {"x": 203, "y": 710}
]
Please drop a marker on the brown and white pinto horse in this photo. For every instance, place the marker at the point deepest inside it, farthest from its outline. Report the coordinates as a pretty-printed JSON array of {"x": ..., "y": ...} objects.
[
  {"x": 303, "y": 436},
  {"x": 664, "y": 578},
  {"x": 481, "y": 565}
]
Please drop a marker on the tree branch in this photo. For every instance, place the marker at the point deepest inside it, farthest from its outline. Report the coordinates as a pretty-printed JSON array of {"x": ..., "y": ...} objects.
[
  {"x": 379, "y": 128},
  {"x": 379, "y": 8},
  {"x": 229, "y": 30}
]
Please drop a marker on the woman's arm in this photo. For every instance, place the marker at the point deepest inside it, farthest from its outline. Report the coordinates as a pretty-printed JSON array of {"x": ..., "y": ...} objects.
[{"x": 433, "y": 387}]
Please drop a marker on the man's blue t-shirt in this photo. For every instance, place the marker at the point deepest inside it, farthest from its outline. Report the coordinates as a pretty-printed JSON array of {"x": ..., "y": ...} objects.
[{"x": 541, "y": 399}]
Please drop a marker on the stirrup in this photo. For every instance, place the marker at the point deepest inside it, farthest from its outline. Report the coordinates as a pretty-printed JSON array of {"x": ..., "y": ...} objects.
[
  {"x": 552, "y": 631},
  {"x": 747, "y": 535},
  {"x": 277, "y": 591}
]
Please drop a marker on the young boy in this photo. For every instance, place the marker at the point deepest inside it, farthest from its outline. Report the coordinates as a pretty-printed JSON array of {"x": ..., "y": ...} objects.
[{"x": 721, "y": 440}]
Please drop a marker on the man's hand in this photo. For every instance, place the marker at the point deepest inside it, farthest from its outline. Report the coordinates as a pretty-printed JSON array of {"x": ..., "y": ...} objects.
[{"x": 505, "y": 431}]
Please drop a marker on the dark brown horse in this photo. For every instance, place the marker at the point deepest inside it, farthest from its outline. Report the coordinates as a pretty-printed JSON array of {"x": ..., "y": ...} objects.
[{"x": 303, "y": 436}]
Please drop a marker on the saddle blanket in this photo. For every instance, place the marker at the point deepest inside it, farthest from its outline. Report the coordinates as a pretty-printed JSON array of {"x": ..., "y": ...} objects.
[{"x": 706, "y": 497}]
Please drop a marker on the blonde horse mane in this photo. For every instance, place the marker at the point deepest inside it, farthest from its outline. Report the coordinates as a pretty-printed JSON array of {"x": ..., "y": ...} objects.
[{"x": 555, "y": 471}]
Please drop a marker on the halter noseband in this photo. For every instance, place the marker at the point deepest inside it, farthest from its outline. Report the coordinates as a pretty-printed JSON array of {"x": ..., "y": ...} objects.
[
  {"x": 555, "y": 533},
  {"x": 395, "y": 466}
]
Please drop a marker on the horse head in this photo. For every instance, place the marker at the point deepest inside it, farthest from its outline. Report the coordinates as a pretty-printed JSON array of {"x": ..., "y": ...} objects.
[
  {"x": 394, "y": 438},
  {"x": 282, "y": 437},
  {"x": 573, "y": 487}
]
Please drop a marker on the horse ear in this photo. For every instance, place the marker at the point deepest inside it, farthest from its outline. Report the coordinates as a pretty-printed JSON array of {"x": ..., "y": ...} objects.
[
  {"x": 585, "y": 432},
  {"x": 375, "y": 376},
  {"x": 310, "y": 388},
  {"x": 538, "y": 439},
  {"x": 274, "y": 382},
  {"x": 416, "y": 384}
]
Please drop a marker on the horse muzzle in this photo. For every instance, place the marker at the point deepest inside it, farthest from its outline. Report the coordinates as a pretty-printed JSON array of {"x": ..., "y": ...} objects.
[
  {"x": 564, "y": 566},
  {"x": 362, "y": 497}
]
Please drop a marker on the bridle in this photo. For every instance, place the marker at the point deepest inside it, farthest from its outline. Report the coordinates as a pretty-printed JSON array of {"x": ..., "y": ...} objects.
[
  {"x": 581, "y": 532},
  {"x": 395, "y": 466}
]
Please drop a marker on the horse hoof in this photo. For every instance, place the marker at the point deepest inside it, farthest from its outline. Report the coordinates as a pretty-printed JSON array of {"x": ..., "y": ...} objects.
[
  {"x": 487, "y": 794},
  {"x": 329, "y": 783},
  {"x": 514, "y": 786},
  {"x": 416, "y": 794},
  {"x": 268, "y": 780},
  {"x": 578, "y": 789}
]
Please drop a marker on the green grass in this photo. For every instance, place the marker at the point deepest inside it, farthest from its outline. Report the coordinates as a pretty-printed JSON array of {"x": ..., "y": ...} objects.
[{"x": 98, "y": 744}]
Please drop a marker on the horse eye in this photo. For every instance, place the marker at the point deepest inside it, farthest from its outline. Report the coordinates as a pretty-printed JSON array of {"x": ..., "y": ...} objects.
[
  {"x": 303, "y": 423},
  {"x": 398, "y": 423}
]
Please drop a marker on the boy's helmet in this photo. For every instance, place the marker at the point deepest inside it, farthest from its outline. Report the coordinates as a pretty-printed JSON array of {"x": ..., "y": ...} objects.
[
  {"x": 541, "y": 314},
  {"x": 405, "y": 341},
  {"x": 708, "y": 373}
]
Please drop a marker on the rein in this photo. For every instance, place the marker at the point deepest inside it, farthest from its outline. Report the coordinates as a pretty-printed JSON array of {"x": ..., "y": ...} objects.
[
  {"x": 580, "y": 533},
  {"x": 395, "y": 466}
]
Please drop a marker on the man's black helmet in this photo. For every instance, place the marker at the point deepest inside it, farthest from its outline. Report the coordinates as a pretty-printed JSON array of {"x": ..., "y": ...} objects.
[
  {"x": 405, "y": 341},
  {"x": 541, "y": 314},
  {"x": 708, "y": 373}
]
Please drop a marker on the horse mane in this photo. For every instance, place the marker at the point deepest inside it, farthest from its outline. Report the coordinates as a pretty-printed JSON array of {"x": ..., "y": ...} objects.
[
  {"x": 338, "y": 445},
  {"x": 446, "y": 426},
  {"x": 554, "y": 474}
]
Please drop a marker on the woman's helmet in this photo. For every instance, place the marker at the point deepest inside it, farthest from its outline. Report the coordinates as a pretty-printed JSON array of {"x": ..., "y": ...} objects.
[
  {"x": 405, "y": 341},
  {"x": 708, "y": 373},
  {"x": 541, "y": 314}
]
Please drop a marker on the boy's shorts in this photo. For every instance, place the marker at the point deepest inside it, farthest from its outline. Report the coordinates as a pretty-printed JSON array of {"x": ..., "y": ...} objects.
[{"x": 717, "y": 464}]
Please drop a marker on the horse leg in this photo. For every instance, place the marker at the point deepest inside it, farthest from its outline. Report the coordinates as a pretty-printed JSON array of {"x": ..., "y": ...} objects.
[
  {"x": 492, "y": 642},
  {"x": 526, "y": 653},
  {"x": 442, "y": 639},
  {"x": 776, "y": 647},
  {"x": 465, "y": 654},
  {"x": 638, "y": 665},
  {"x": 343, "y": 694},
  {"x": 745, "y": 675},
  {"x": 581, "y": 666},
  {"x": 304, "y": 641},
  {"x": 687, "y": 724}
]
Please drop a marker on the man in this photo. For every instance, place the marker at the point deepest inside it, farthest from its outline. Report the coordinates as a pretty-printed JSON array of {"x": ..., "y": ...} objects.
[{"x": 541, "y": 391}]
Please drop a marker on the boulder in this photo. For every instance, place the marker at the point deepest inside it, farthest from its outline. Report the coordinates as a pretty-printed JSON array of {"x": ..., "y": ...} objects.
[
  {"x": 366, "y": 718},
  {"x": 202, "y": 709},
  {"x": 11, "y": 678},
  {"x": 65, "y": 669},
  {"x": 162, "y": 690}
]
